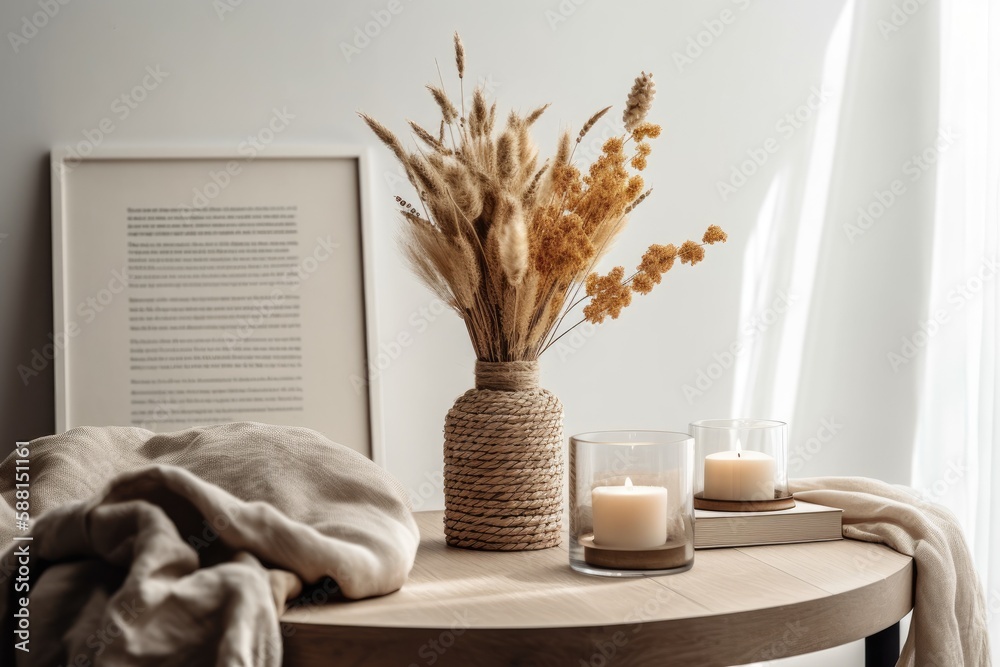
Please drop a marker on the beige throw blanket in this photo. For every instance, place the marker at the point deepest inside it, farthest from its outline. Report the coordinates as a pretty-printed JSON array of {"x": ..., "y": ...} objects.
[
  {"x": 948, "y": 627},
  {"x": 182, "y": 548}
]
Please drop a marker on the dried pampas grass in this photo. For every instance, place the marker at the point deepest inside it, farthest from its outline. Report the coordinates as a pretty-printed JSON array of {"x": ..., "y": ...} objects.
[{"x": 508, "y": 243}]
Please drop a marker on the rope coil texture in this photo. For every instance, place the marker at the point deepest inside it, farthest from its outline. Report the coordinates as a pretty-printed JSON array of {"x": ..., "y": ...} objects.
[{"x": 503, "y": 472}]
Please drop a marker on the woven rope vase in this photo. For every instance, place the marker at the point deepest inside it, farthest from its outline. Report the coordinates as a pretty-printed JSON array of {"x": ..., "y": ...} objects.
[{"x": 503, "y": 462}]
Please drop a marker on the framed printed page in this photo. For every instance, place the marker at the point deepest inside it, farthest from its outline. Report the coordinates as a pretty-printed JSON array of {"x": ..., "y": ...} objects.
[{"x": 201, "y": 287}]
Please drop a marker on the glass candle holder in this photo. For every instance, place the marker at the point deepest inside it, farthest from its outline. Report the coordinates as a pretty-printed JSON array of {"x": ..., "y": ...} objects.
[
  {"x": 741, "y": 465},
  {"x": 630, "y": 497}
]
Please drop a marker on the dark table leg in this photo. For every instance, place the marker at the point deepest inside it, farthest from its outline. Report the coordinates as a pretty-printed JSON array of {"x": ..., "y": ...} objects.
[{"x": 882, "y": 648}]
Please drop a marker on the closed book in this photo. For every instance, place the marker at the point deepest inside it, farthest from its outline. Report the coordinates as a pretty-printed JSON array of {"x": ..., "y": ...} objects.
[{"x": 806, "y": 522}]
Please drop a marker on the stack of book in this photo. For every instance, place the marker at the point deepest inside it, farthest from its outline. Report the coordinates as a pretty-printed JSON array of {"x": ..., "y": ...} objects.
[{"x": 806, "y": 522}]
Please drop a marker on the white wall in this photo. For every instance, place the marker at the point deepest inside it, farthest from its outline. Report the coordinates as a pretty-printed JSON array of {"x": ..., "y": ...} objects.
[{"x": 229, "y": 69}]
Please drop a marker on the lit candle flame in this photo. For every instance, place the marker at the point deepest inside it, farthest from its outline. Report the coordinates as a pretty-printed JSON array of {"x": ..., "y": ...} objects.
[{"x": 628, "y": 482}]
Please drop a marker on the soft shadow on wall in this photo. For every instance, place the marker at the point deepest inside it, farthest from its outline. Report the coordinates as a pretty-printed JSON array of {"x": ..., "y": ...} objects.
[{"x": 27, "y": 404}]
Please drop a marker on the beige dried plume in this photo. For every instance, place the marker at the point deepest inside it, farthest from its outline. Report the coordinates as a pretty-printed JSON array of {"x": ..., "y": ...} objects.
[
  {"x": 512, "y": 239},
  {"x": 640, "y": 101},
  {"x": 506, "y": 158},
  {"x": 459, "y": 56},
  {"x": 589, "y": 125},
  {"x": 385, "y": 135},
  {"x": 477, "y": 118},
  {"x": 536, "y": 114},
  {"x": 448, "y": 110},
  {"x": 427, "y": 137}
]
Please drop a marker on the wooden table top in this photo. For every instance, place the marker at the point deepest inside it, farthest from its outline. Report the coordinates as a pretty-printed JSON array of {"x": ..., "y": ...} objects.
[{"x": 734, "y": 606}]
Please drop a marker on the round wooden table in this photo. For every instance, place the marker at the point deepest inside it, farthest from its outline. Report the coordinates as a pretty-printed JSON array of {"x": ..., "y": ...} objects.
[{"x": 733, "y": 607}]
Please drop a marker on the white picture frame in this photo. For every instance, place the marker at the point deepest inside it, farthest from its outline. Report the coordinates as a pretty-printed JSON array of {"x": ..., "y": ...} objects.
[{"x": 87, "y": 219}]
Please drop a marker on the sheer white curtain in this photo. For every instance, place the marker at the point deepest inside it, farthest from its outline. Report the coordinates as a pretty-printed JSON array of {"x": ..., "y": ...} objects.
[
  {"x": 895, "y": 331},
  {"x": 956, "y": 460}
]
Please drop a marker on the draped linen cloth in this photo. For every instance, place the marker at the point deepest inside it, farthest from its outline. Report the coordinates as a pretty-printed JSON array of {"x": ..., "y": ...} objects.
[
  {"x": 949, "y": 623},
  {"x": 182, "y": 548}
]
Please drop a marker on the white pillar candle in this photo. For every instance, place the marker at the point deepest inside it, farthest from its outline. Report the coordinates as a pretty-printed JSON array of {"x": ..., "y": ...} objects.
[
  {"x": 630, "y": 517},
  {"x": 739, "y": 475}
]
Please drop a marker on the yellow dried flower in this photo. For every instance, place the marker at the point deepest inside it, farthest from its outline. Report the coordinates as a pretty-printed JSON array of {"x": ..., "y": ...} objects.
[
  {"x": 566, "y": 180},
  {"x": 691, "y": 253},
  {"x": 608, "y": 295},
  {"x": 658, "y": 259},
  {"x": 638, "y": 162},
  {"x": 714, "y": 234},
  {"x": 560, "y": 248},
  {"x": 643, "y": 283},
  {"x": 613, "y": 145},
  {"x": 634, "y": 188},
  {"x": 609, "y": 189},
  {"x": 644, "y": 130}
]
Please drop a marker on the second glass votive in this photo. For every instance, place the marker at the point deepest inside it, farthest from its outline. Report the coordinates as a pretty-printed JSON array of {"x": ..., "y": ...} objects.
[
  {"x": 630, "y": 496},
  {"x": 741, "y": 465}
]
